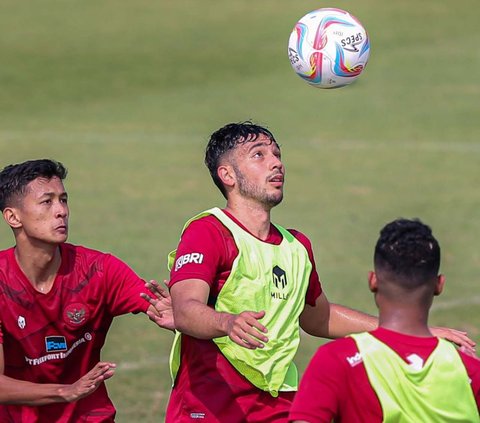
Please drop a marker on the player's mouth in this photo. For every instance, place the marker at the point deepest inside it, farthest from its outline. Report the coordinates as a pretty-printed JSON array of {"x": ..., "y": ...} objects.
[
  {"x": 62, "y": 229},
  {"x": 277, "y": 179}
]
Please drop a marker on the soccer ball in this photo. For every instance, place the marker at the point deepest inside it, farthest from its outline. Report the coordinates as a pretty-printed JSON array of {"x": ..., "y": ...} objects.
[{"x": 329, "y": 48}]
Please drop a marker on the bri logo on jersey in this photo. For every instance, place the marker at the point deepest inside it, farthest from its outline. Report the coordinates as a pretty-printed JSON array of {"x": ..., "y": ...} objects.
[
  {"x": 188, "y": 258},
  {"x": 55, "y": 344}
]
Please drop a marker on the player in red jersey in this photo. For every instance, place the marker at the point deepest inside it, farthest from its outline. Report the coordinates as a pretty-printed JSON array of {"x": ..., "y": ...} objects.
[
  {"x": 245, "y": 163},
  {"x": 57, "y": 302},
  {"x": 339, "y": 385}
]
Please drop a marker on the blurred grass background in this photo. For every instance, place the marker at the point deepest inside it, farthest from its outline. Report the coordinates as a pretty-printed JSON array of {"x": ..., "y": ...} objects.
[{"x": 126, "y": 93}]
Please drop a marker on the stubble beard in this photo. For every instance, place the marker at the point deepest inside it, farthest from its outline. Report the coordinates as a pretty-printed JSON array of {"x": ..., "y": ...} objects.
[{"x": 251, "y": 191}]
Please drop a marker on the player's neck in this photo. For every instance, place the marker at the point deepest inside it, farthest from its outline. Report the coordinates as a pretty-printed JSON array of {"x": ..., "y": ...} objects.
[
  {"x": 408, "y": 320},
  {"x": 252, "y": 216},
  {"x": 40, "y": 265}
]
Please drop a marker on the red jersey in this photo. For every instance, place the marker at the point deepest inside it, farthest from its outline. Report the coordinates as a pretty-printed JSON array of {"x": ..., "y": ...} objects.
[
  {"x": 207, "y": 385},
  {"x": 335, "y": 385},
  {"x": 57, "y": 337}
]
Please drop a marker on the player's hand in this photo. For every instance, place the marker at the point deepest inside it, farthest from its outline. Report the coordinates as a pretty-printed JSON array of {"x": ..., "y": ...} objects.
[
  {"x": 245, "y": 329},
  {"x": 469, "y": 352},
  {"x": 160, "y": 310},
  {"x": 89, "y": 382},
  {"x": 456, "y": 336}
]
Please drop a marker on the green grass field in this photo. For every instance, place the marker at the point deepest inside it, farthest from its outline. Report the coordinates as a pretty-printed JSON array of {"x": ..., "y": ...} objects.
[{"x": 126, "y": 93}]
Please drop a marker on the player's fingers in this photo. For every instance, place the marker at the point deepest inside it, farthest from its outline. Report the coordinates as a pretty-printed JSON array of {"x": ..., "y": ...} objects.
[
  {"x": 99, "y": 371},
  {"x": 153, "y": 301},
  {"x": 160, "y": 320},
  {"x": 257, "y": 325},
  {"x": 108, "y": 374},
  {"x": 156, "y": 289},
  {"x": 146, "y": 297},
  {"x": 252, "y": 322},
  {"x": 461, "y": 338},
  {"x": 252, "y": 341},
  {"x": 242, "y": 342},
  {"x": 251, "y": 329},
  {"x": 249, "y": 335},
  {"x": 253, "y": 332}
]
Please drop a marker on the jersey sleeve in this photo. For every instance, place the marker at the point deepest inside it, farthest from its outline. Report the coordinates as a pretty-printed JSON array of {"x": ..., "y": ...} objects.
[
  {"x": 320, "y": 390},
  {"x": 200, "y": 252},
  {"x": 123, "y": 288},
  {"x": 314, "y": 286},
  {"x": 472, "y": 364}
]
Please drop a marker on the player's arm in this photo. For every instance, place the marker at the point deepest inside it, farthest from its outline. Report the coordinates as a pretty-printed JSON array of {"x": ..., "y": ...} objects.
[
  {"x": 14, "y": 391},
  {"x": 194, "y": 317},
  {"x": 328, "y": 320},
  {"x": 322, "y": 318},
  {"x": 126, "y": 292}
]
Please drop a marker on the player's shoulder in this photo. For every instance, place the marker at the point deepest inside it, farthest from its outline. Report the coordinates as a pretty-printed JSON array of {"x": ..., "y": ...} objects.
[
  {"x": 342, "y": 350},
  {"x": 80, "y": 255},
  {"x": 299, "y": 235},
  {"x": 81, "y": 251},
  {"x": 206, "y": 220},
  {"x": 5, "y": 256},
  {"x": 302, "y": 238},
  {"x": 471, "y": 363},
  {"x": 207, "y": 225}
]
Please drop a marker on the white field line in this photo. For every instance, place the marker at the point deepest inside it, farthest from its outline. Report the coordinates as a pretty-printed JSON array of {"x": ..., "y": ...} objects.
[
  {"x": 459, "y": 302},
  {"x": 142, "y": 364},
  {"x": 426, "y": 146},
  {"x": 438, "y": 306},
  {"x": 154, "y": 137}
]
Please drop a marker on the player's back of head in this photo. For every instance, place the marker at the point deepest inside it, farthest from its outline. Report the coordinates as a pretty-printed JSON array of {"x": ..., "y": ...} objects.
[{"x": 407, "y": 254}]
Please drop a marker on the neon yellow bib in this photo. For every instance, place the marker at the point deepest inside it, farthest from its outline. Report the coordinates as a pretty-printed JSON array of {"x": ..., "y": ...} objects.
[
  {"x": 266, "y": 277},
  {"x": 439, "y": 392}
]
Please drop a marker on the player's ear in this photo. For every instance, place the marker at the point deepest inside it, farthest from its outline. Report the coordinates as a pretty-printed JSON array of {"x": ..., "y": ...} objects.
[
  {"x": 226, "y": 175},
  {"x": 439, "y": 284},
  {"x": 10, "y": 214},
  {"x": 372, "y": 281}
]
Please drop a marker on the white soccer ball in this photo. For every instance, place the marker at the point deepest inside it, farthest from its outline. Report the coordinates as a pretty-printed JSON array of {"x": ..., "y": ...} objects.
[{"x": 329, "y": 48}]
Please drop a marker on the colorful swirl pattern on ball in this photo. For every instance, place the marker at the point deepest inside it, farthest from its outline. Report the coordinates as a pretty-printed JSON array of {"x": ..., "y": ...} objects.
[{"x": 320, "y": 41}]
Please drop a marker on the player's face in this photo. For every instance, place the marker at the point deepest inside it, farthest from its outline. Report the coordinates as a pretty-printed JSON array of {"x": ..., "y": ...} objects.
[
  {"x": 259, "y": 171},
  {"x": 43, "y": 211}
]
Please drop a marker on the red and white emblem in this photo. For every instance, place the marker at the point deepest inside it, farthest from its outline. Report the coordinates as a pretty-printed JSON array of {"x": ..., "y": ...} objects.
[{"x": 75, "y": 314}]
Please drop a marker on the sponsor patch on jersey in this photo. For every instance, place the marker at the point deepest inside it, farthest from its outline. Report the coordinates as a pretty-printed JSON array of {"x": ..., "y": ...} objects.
[
  {"x": 188, "y": 258},
  {"x": 355, "y": 360},
  {"x": 279, "y": 289},
  {"x": 75, "y": 314},
  {"x": 55, "y": 344},
  {"x": 197, "y": 415}
]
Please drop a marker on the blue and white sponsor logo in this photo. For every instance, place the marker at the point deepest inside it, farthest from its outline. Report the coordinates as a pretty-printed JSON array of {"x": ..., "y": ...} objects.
[
  {"x": 57, "y": 349},
  {"x": 55, "y": 344}
]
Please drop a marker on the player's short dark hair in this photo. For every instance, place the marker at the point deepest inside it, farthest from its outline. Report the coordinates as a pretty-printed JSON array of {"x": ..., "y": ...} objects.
[
  {"x": 227, "y": 138},
  {"x": 15, "y": 178},
  {"x": 408, "y": 252}
]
